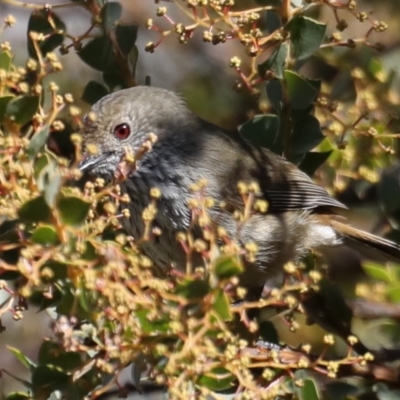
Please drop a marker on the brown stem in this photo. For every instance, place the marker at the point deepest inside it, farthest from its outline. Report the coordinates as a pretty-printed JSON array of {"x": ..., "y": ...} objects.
[
  {"x": 285, "y": 11},
  {"x": 122, "y": 62}
]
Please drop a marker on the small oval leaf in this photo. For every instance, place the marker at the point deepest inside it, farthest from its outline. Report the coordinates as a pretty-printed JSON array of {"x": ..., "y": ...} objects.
[
  {"x": 99, "y": 54},
  {"x": 35, "y": 210},
  {"x": 52, "y": 353},
  {"x": 44, "y": 21},
  {"x": 126, "y": 37},
  {"x": 263, "y": 131},
  {"x": 37, "y": 142},
  {"x": 309, "y": 390},
  {"x": 110, "y": 15},
  {"x": 21, "y": 109},
  {"x": 93, "y": 92},
  {"x": 312, "y": 161},
  {"x": 275, "y": 62},
  {"x": 45, "y": 235},
  {"x": 222, "y": 305},
  {"x": 306, "y": 135},
  {"x": 72, "y": 210},
  {"x": 301, "y": 92},
  {"x": 306, "y": 36},
  {"x": 193, "y": 289},
  {"x": 3, "y": 105},
  {"x": 218, "y": 379},
  {"x": 227, "y": 266}
]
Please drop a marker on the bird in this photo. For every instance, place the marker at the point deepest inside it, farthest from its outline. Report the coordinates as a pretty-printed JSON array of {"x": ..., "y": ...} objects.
[{"x": 300, "y": 215}]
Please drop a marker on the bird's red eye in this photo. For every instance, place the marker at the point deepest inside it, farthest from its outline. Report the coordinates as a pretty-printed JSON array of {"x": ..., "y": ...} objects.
[{"x": 122, "y": 131}]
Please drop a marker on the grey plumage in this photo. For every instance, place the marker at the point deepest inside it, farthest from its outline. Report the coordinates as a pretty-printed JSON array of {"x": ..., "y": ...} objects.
[{"x": 300, "y": 214}]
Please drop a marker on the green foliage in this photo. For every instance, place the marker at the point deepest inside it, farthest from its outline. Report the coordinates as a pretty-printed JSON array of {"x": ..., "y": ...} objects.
[{"x": 63, "y": 246}]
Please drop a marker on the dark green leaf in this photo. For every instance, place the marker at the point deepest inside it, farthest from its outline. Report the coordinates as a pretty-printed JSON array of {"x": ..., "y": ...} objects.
[
  {"x": 275, "y": 62},
  {"x": 222, "y": 305},
  {"x": 74, "y": 391},
  {"x": 93, "y": 92},
  {"x": 99, "y": 54},
  {"x": 196, "y": 289},
  {"x": 328, "y": 308},
  {"x": 110, "y": 15},
  {"x": 309, "y": 390},
  {"x": 5, "y": 60},
  {"x": 87, "y": 298},
  {"x": 68, "y": 304},
  {"x": 218, "y": 379},
  {"x": 51, "y": 353},
  {"x": 306, "y": 36},
  {"x": 340, "y": 390},
  {"x": 61, "y": 143},
  {"x": 45, "y": 235},
  {"x": 297, "y": 115},
  {"x": 113, "y": 80},
  {"x": 126, "y": 37},
  {"x": 151, "y": 326},
  {"x": 49, "y": 378},
  {"x": 301, "y": 92},
  {"x": 21, "y": 109},
  {"x": 90, "y": 252},
  {"x": 306, "y": 135},
  {"x": 378, "y": 272},
  {"x": 312, "y": 161},
  {"x": 35, "y": 210},
  {"x": 268, "y": 332},
  {"x": 59, "y": 270},
  {"x": 39, "y": 22},
  {"x": 72, "y": 210},
  {"x": 3, "y": 105},
  {"x": 21, "y": 357},
  {"x": 275, "y": 93},
  {"x": 263, "y": 131},
  {"x": 227, "y": 266},
  {"x": 43, "y": 302},
  {"x": 37, "y": 142}
]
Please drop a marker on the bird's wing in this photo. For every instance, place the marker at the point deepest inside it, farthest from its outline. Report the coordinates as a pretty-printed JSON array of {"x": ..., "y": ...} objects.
[
  {"x": 282, "y": 184},
  {"x": 297, "y": 192},
  {"x": 299, "y": 195}
]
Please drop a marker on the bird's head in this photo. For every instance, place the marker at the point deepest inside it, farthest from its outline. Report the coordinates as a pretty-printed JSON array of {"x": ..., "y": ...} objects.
[{"x": 124, "y": 120}]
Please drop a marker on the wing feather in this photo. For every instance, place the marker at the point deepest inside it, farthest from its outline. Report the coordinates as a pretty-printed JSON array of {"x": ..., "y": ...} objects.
[{"x": 299, "y": 195}]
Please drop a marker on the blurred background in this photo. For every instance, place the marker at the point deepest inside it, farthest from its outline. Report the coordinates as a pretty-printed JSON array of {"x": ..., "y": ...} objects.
[{"x": 201, "y": 73}]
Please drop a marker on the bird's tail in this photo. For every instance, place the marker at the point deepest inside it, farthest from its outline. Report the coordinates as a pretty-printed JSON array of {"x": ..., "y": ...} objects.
[{"x": 368, "y": 245}]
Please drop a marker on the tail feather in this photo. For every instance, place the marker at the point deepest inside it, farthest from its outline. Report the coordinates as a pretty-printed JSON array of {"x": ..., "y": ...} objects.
[{"x": 367, "y": 244}]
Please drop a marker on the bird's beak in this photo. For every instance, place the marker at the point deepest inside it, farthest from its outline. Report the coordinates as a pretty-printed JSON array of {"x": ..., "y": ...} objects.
[{"x": 89, "y": 161}]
